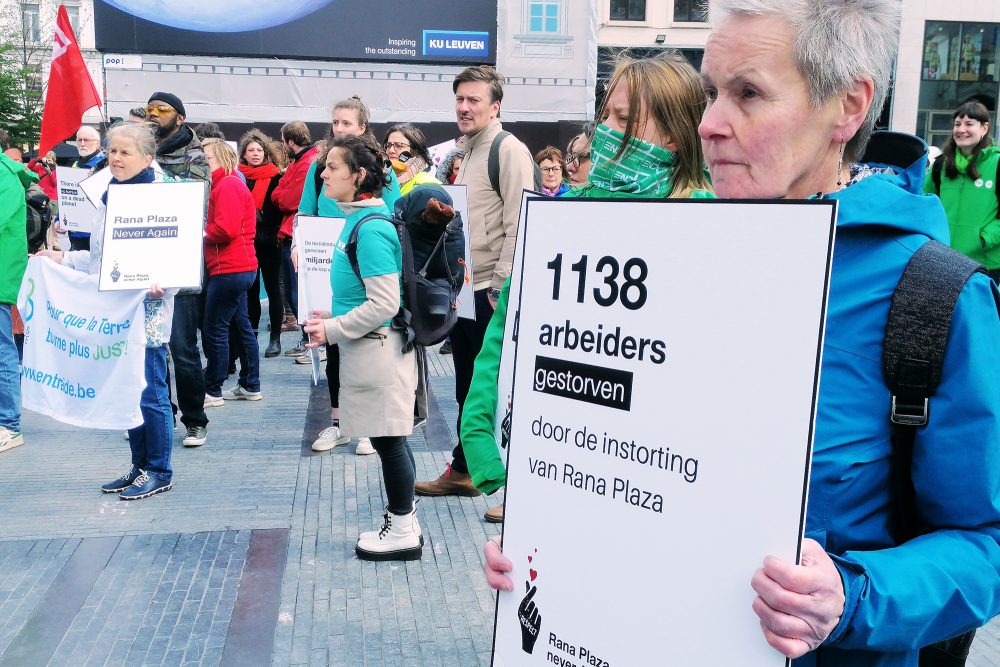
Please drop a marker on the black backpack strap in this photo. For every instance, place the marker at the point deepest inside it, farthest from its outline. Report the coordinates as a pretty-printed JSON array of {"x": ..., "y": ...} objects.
[
  {"x": 996, "y": 188},
  {"x": 493, "y": 162},
  {"x": 936, "y": 173},
  {"x": 916, "y": 332}
]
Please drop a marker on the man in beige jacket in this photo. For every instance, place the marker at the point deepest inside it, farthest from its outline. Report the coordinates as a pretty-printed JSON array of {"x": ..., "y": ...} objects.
[{"x": 493, "y": 224}]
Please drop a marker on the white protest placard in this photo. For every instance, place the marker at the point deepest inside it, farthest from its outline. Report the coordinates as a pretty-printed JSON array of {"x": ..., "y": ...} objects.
[
  {"x": 467, "y": 297},
  {"x": 84, "y": 351},
  {"x": 315, "y": 239},
  {"x": 662, "y": 426},
  {"x": 153, "y": 233},
  {"x": 76, "y": 212}
]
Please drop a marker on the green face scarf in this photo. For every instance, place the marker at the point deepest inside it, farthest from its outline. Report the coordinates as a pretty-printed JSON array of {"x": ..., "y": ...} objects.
[
  {"x": 646, "y": 169},
  {"x": 961, "y": 161}
]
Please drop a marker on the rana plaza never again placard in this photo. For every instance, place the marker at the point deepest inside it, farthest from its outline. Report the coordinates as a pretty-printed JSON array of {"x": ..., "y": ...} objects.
[{"x": 665, "y": 386}]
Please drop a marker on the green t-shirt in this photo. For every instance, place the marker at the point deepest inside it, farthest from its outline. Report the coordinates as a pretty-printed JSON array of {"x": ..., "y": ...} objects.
[{"x": 379, "y": 254}]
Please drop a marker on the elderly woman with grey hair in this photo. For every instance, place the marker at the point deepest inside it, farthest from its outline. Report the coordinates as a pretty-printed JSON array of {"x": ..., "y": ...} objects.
[{"x": 794, "y": 88}]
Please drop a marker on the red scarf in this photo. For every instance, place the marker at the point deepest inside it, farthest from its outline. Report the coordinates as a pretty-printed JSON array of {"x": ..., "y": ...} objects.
[{"x": 260, "y": 177}]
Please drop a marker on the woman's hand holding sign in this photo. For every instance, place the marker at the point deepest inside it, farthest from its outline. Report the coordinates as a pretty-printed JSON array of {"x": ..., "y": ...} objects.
[
  {"x": 798, "y": 605},
  {"x": 496, "y": 566}
]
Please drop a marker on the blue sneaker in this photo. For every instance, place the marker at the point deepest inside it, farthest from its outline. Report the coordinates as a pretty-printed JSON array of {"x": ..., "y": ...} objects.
[
  {"x": 145, "y": 486},
  {"x": 121, "y": 483}
]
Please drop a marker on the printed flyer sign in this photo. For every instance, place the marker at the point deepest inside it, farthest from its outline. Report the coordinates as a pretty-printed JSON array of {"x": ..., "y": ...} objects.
[
  {"x": 84, "y": 352},
  {"x": 662, "y": 426},
  {"x": 75, "y": 210},
  {"x": 315, "y": 239},
  {"x": 153, "y": 233},
  {"x": 467, "y": 297}
]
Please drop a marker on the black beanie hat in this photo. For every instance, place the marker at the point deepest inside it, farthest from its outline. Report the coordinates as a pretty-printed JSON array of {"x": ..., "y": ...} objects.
[{"x": 170, "y": 99}]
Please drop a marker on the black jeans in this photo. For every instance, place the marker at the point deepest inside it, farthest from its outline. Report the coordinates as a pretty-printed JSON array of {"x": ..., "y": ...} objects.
[
  {"x": 466, "y": 341},
  {"x": 189, "y": 376},
  {"x": 269, "y": 259},
  {"x": 333, "y": 374},
  {"x": 399, "y": 471}
]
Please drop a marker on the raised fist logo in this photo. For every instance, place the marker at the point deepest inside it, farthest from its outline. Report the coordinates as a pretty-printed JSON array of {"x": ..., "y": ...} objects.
[
  {"x": 530, "y": 619},
  {"x": 505, "y": 427}
]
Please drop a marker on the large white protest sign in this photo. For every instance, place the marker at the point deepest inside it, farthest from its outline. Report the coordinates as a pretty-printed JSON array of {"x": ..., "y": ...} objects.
[
  {"x": 153, "y": 233},
  {"x": 467, "y": 297},
  {"x": 664, "y": 399},
  {"x": 84, "y": 351},
  {"x": 315, "y": 239},
  {"x": 76, "y": 212},
  {"x": 505, "y": 379}
]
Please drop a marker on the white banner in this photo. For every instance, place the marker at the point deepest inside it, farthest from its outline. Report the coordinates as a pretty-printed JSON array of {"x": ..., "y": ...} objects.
[
  {"x": 153, "y": 233},
  {"x": 467, "y": 297},
  {"x": 84, "y": 350},
  {"x": 315, "y": 239},
  {"x": 76, "y": 212},
  {"x": 662, "y": 426}
]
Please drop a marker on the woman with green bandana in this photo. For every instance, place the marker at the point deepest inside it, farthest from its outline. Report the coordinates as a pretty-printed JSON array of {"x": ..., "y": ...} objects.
[
  {"x": 646, "y": 147},
  {"x": 966, "y": 177}
]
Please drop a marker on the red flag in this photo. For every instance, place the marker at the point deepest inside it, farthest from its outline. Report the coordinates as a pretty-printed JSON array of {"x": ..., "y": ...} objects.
[{"x": 71, "y": 90}]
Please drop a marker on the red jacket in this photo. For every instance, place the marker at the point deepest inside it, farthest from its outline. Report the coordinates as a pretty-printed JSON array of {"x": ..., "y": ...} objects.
[
  {"x": 289, "y": 191},
  {"x": 46, "y": 179},
  {"x": 232, "y": 223}
]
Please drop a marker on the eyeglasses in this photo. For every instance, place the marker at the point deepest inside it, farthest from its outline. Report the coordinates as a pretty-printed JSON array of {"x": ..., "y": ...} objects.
[
  {"x": 577, "y": 157},
  {"x": 551, "y": 170},
  {"x": 395, "y": 145},
  {"x": 159, "y": 110}
]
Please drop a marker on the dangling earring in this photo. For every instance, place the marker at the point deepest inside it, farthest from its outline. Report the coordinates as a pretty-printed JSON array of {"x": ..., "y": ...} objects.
[{"x": 840, "y": 167}]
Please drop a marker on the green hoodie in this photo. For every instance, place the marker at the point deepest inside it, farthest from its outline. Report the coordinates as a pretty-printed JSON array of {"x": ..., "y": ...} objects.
[
  {"x": 971, "y": 207},
  {"x": 479, "y": 412},
  {"x": 14, "y": 180}
]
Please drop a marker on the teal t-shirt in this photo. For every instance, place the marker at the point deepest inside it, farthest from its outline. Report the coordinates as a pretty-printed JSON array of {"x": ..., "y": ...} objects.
[{"x": 379, "y": 254}]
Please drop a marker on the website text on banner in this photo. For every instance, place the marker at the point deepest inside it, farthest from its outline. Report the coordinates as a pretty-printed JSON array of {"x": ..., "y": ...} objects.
[
  {"x": 664, "y": 419},
  {"x": 83, "y": 350},
  {"x": 154, "y": 233}
]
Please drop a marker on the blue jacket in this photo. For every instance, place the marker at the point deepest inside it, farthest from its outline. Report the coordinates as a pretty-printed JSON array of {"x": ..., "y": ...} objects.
[{"x": 901, "y": 597}]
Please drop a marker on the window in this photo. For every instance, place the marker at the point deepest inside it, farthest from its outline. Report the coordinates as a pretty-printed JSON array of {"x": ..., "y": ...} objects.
[
  {"x": 628, "y": 10},
  {"x": 73, "y": 11},
  {"x": 543, "y": 16},
  {"x": 31, "y": 22},
  {"x": 688, "y": 11}
]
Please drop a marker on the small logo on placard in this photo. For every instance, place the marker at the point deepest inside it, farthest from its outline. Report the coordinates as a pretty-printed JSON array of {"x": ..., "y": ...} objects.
[
  {"x": 115, "y": 273},
  {"x": 527, "y": 612}
]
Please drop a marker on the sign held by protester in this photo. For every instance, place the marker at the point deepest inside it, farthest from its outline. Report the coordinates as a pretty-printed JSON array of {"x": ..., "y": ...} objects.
[
  {"x": 76, "y": 212},
  {"x": 315, "y": 239},
  {"x": 84, "y": 351},
  {"x": 153, "y": 234},
  {"x": 663, "y": 416}
]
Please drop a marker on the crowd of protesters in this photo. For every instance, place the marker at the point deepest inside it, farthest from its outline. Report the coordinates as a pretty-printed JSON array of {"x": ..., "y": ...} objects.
[{"x": 784, "y": 107}]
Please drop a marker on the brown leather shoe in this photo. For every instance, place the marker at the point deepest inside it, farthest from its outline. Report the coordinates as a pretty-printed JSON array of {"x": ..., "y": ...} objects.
[
  {"x": 494, "y": 514},
  {"x": 450, "y": 483}
]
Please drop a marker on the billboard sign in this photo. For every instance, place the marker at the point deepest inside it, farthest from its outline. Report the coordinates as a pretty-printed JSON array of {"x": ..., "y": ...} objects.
[{"x": 425, "y": 31}]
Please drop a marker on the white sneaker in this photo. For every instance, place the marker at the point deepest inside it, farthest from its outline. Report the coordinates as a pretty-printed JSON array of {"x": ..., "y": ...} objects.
[
  {"x": 329, "y": 438},
  {"x": 238, "y": 393},
  {"x": 373, "y": 534},
  {"x": 365, "y": 447},
  {"x": 396, "y": 540},
  {"x": 10, "y": 439},
  {"x": 307, "y": 358},
  {"x": 213, "y": 401}
]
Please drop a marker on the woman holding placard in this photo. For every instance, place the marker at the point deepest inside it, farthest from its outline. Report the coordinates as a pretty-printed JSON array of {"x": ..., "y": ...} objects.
[
  {"x": 259, "y": 162},
  {"x": 231, "y": 263},
  {"x": 131, "y": 149},
  {"x": 646, "y": 146},
  {"x": 378, "y": 380}
]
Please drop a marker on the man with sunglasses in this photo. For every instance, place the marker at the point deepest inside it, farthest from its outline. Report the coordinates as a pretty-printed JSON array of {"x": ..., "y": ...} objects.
[{"x": 179, "y": 152}]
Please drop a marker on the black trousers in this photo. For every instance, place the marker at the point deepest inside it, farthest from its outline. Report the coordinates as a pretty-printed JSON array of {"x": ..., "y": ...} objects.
[
  {"x": 399, "y": 472},
  {"x": 269, "y": 259},
  {"x": 466, "y": 341},
  {"x": 189, "y": 376},
  {"x": 333, "y": 374}
]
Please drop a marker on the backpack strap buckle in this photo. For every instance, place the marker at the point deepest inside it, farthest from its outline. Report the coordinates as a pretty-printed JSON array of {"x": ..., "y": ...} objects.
[{"x": 909, "y": 414}]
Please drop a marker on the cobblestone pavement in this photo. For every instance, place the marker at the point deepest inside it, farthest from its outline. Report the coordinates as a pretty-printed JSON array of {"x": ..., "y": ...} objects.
[{"x": 249, "y": 560}]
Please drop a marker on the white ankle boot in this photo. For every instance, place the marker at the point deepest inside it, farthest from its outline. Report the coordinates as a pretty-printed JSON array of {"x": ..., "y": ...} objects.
[
  {"x": 397, "y": 540},
  {"x": 370, "y": 535}
]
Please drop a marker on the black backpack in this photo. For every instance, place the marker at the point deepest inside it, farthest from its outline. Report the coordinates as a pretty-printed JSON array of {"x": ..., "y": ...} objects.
[
  {"x": 493, "y": 165},
  {"x": 936, "y": 177},
  {"x": 913, "y": 349},
  {"x": 38, "y": 216},
  {"x": 430, "y": 281}
]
